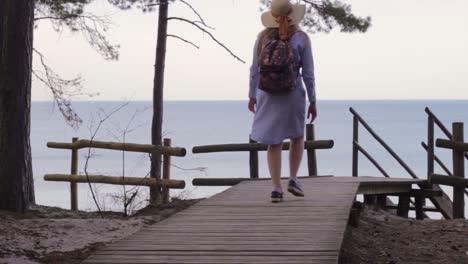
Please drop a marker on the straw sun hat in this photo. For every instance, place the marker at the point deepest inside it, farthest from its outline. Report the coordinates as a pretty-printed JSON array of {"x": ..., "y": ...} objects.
[{"x": 295, "y": 13}]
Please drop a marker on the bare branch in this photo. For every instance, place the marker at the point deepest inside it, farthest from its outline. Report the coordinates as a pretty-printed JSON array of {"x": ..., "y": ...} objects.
[
  {"x": 209, "y": 34},
  {"x": 102, "y": 120},
  {"x": 202, "y": 21},
  {"x": 184, "y": 40}
]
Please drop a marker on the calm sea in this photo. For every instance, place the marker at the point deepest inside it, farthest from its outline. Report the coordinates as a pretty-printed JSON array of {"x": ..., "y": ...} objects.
[{"x": 403, "y": 124}]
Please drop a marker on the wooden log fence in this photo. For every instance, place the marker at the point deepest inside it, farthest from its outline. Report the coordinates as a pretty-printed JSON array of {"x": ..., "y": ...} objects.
[
  {"x": 457, "y": 180},
  {"x": 116, "y": 180},
  {"x": 235, "y": 181},
  {"x": 166, "y": 151},
  {"x": 310, "y": 145},
  {"x": 130, "y": 147}
]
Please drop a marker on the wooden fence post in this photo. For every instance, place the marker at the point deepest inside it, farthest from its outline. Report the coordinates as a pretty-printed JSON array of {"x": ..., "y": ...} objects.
[
  {"x": 430, "y": 147},
  {"x": 166, "y": 171},
  {"x": 355, "y": 148},
  {"x": 74, "y": 171},
  {"x": 403, "y": 205},
  {"x": 458, "y": 171},
  {"x": 311, "y": 154},
  {"x": 419, "y": 206},
  {"x": 253, "y": 161}
]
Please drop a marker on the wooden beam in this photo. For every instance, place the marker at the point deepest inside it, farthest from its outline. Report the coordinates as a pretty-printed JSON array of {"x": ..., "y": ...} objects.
[
  {"x": 316, "y": 144},
  {"x": 403, "y": 205},
  {"x": 311, "y": 154},
  {"x": 383, "y": 188},
  {"x": 449, "y": 180},
  {"x": 418, "y": 206},
  {"x": 166, "y": 171},
  {"x": 235, "y": 181},
  {"x": 412, "y": 208},
  {"x": 253, "y": 162},
  {"x": 355, "y": 164},
  {"x": 137, "y": 181},
  {"x": 421, "y": 192},
  {"x": 73, "y": 185},
  {"x": 458, "y": 171},
  {"x": 131, "y": 147},
  {"x": 448, "y": 144}
]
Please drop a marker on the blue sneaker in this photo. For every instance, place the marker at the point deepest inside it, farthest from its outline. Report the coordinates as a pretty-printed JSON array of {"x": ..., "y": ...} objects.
[
  {"x": 295, "y": 188},
  {"x": 276, "y": 197}
]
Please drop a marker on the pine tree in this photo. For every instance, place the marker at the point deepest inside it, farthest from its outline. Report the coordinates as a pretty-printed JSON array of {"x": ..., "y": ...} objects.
[{"x": 16, "y": 46}]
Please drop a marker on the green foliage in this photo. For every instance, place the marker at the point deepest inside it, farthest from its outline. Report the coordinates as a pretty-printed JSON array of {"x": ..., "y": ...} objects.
[
  {"x": 61, "y": 8},
  {"x": 323, "y": 16}
]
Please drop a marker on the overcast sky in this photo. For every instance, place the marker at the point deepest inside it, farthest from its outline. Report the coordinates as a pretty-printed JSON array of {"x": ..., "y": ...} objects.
[{"x": 415, "y": 49}]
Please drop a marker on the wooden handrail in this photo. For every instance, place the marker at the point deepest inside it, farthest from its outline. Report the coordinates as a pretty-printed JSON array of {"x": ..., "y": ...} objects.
[
  {"x": 309, "y": 144},
  {"x": 441, "y": 164},
  {"x": 131, "y": 147},
  {"x": 385, "y": 145},
  {"x": 119, "y": 180},
  {"x": 442, "y": 203},
  {"x": 438, "y": 123},
  {"x": 371, "y": 159}
]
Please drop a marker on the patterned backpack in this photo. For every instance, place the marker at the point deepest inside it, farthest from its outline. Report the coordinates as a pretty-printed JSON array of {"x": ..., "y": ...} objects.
[{"x": 278, "y": 72}]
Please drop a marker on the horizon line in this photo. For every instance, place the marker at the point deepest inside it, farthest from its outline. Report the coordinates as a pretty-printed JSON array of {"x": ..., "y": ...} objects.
[{"x": 242, "y": 100}]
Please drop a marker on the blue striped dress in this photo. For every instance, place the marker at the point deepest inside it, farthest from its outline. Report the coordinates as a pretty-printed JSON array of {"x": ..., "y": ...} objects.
[{"x": 280, "y": 117}]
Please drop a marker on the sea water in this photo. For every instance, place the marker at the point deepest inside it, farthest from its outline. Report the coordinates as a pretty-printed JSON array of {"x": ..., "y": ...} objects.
[{"x": 402, "y": 124}]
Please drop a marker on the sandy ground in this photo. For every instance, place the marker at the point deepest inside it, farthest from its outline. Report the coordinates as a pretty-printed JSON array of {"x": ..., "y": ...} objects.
[
  {"x": 385, "y": 238},
  {"x": 53, "y": 235}
]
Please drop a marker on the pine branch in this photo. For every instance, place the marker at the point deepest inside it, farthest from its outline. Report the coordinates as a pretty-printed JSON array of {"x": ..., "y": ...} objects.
[{"x": 62, "y": 90}]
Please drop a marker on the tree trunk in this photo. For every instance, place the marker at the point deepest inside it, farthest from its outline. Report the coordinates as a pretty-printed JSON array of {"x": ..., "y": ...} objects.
[
  {"x": 158, "y": 86},
  {"x": 16, "y": 42}
]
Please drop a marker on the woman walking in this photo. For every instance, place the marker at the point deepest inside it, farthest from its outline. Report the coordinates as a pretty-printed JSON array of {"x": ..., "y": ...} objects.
[{"x": 282, "y": 60}]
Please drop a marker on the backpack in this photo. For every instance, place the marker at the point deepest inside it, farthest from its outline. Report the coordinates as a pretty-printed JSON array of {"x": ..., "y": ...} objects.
[{"x": 278, "y": 72}]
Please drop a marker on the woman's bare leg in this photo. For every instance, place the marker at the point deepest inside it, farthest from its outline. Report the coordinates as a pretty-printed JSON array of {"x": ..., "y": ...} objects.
[
  {"x": 274, "y": 164},
  {"x": 295, "y": 156}
]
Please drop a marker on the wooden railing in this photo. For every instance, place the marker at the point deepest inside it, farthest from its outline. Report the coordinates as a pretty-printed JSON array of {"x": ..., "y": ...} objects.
[
  {"x": 310, "y": 145},
  {"x": 442, "y": 202},
  {"x": 457, "y": 179},
  {"x": 166, "y": 151},
  {"x": 432, "y": 120}
]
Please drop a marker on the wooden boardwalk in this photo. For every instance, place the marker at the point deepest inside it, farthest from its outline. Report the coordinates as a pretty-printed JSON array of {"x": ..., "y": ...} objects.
[{"x": 240, "y": 225}]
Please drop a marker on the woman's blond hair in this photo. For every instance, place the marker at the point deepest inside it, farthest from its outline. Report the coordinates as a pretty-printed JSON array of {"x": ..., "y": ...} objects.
[{"x": 272, "y": 33}]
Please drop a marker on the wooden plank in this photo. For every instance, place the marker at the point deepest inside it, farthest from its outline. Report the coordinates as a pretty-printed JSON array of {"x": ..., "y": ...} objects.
[
  {"x": 216, "y": 253},
  {"x": 238, "y": 225}
]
